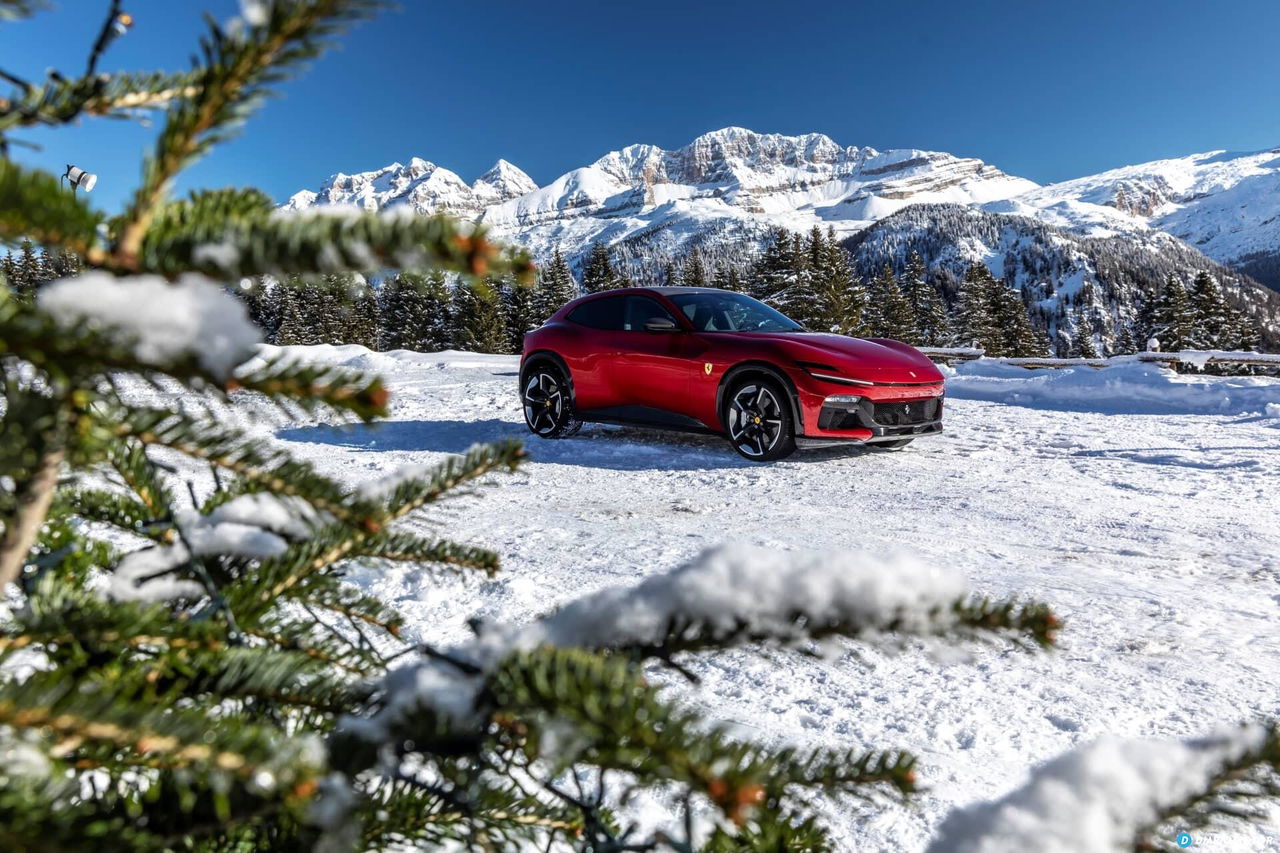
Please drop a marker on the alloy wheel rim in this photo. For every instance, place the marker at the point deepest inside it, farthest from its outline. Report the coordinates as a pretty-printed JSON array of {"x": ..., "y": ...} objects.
[
  {"x": 755, "y": 420},
  {"x": 543, "y": 403}
]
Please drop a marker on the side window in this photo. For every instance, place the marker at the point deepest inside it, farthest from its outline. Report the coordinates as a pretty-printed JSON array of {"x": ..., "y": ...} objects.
[
  {"x": 603, "y": 313},
  {"x": 642, "y": 309}
]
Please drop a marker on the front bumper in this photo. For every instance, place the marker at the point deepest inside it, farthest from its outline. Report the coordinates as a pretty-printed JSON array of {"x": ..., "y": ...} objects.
[
  {"x": 872, "y": 413},
  {"x": 884, "y": 419}
]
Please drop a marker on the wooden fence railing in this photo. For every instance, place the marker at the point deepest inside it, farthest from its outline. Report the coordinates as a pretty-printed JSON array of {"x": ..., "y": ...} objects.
[{"x": 1198, "y": 358}]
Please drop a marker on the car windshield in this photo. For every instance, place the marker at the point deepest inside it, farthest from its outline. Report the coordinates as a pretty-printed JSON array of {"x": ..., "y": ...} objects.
[{"x": 731, "y": 312}]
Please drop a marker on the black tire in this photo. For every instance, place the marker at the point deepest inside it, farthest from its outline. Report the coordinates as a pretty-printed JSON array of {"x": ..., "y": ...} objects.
[
  {"x": 547, "y": 401},
  {"x": 757, "y": 419},
  {"x": 893, "y": 445}
]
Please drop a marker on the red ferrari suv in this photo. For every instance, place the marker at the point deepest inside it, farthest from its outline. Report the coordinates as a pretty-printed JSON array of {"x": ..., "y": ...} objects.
[{"x": 717, "y": 361}]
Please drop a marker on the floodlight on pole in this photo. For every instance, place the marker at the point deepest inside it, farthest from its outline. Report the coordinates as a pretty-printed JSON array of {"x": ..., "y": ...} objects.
[{"x": 80, "y": 179}]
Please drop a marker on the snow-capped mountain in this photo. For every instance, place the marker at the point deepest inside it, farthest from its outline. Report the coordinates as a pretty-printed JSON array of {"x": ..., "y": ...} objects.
[
  {"x": 1225, "y": 204},
  {"x": 730, "y": 175},
  {"x": 422, "y": 185},
  {"x": 501, "y": 183}
]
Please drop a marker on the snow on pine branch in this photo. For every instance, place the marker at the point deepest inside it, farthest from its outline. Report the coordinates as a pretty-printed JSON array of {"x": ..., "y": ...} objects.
[
  {"x": 251, "y": 527},
  {"x": 163, "y": 322},
  {"x": 726, "y": 594},
  {"x": 290, "y": 517},
  {"x": 736, "y": 591},
  {"x": 1103, "y": 796}
]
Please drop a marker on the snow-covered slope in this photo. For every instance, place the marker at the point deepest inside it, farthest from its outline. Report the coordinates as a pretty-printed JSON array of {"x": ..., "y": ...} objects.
[
  {"x": 1225, "y": 204},
  {"x": 727, "y": 176}
]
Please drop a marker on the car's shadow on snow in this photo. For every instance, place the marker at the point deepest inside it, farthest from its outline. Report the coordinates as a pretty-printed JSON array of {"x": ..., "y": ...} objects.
[{"x": 596, "y": 446}]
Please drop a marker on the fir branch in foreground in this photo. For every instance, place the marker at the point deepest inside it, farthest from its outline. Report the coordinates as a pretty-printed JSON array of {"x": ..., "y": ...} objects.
[
  {"x": 400, "y": 813},
  {"x": 59, "y": 101},
  {"x": 233, "y": 76},
  {"x": 326, "y": 241},
  {"x": 598, "y": 711},
  {"x": 103, "y": 728},
  {"x": 11, "y": 9}
]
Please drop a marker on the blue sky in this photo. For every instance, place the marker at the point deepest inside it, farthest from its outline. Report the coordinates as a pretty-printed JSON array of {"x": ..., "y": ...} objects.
[{"x": 1046, "y": 90}]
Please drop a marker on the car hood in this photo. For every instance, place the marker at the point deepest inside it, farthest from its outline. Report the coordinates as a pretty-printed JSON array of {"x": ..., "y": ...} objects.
[{"x": 858, "y": 358}]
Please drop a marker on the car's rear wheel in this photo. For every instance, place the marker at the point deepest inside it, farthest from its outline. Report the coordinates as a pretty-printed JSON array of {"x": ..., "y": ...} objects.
[
  {"x": 893, "y": 445},
  {"x": 548, "y": 406},
  {"x": 757, "y": 417}
]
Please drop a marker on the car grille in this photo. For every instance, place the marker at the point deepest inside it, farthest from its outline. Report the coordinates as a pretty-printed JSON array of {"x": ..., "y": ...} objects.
[{"x": 905, "y": 414}]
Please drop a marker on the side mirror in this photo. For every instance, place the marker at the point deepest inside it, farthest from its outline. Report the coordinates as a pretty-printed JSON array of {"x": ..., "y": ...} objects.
[{"x": 661, "y": 324}]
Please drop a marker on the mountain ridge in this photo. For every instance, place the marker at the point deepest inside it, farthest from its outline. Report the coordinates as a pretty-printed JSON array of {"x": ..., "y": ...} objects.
[{"x": 1226, "y": 204}]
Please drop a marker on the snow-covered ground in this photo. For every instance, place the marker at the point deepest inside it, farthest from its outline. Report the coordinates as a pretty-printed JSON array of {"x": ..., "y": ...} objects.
[{"x": 1145, "y": 509}]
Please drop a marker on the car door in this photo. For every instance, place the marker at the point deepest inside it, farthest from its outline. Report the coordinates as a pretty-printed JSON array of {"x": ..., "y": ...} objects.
[
  {"x": 652, "y": 369},
  {"x": 593, "y": 350}
]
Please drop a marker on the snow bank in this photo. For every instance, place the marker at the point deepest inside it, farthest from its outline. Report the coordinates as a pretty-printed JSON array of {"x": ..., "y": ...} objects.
[
  {"x": 1135, "y": 388},
  {"x": 1096, "y": 798},
  {"x": 164, "y": 322}
]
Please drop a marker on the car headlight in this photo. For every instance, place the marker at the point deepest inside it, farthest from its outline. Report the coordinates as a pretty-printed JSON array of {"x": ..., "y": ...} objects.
[
  {"x": 842, "y": 400},
  {"x": 827, "y": 373}
]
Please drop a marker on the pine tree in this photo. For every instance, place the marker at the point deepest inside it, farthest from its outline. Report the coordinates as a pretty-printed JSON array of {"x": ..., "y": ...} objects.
[
  {"x": 727, "y": 277},
  {"x": 1174, "y": 316},
  {"x": 477, "y": 319},
  {"x": 928, "y": 310},
  {"x": 793, "y": 288},
  {"x": 1125, "y": 344},
  {"x": 260, "y": 298},
  {"x": 1084, "y": 347},
  {"x": 9, "y": 272},
  {"x": 363, "y": 313},
  {"x": 30, "y": 272},
  {"x": 519, "y": 313},
  {"x": 1016, "y": 336},
  {"x": 555, "y": 287},
  {"x": 1214, "y": 324},
  {"x": 599, "y": 273},
  {"x": 778, "y": 269},
  {"x": 839, "y": 298},
  {"x": 973, "y": 325},
  {"x": 414, "y": 312},
  {"x": 292, "y": 327},
  {"x": 693, "y": 273},
  {"x": 889, "y": 312}
]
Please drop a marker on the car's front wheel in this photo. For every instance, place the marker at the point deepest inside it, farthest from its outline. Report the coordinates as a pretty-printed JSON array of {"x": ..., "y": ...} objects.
[
  {"x": 548, "y": 407},
  {"x": 757, "y": 417}
]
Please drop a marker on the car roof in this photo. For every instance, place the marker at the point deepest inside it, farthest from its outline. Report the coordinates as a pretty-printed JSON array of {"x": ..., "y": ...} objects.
[{"x": 665, "y": 291}]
